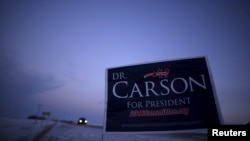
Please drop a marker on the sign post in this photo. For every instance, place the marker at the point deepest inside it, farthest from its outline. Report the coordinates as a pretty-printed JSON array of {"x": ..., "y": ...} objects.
[
  {"x": 160, "y": 96},
  {"x": 46, "y": 114}
]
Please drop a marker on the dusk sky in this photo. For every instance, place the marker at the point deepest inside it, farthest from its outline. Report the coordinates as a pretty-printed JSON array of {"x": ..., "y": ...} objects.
[{"x": 55, "y": 52}]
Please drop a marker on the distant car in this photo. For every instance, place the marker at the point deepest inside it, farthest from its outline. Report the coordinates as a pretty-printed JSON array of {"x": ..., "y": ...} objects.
[{"x": 82, "y": 121}]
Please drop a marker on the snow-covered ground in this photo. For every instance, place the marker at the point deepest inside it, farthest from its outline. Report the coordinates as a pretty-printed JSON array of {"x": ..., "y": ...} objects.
[{"x": 15, "y": 129}]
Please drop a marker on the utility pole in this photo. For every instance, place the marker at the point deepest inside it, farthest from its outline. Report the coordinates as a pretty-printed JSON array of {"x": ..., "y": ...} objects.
[{"x": 38, "y": 112}]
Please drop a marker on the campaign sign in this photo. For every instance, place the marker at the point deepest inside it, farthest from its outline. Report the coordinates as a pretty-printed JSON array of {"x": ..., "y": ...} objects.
[{"x": 160, "y": 96}]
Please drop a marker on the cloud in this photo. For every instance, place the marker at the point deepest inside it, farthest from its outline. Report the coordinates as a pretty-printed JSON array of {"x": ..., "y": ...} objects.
[
  {"x": 18, "y": 84},
  {"x": 15, "y": 80},
  {"x": 21, "y": 83},
  {"x": 18, "y": 87}
]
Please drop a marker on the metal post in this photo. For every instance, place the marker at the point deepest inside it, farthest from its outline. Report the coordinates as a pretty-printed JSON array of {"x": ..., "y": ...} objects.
[
  {"x": 102, "y": 136},
  {"x": 38, "y": 111}
]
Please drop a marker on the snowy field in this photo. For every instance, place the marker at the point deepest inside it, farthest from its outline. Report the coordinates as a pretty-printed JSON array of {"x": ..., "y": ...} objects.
[{"x": 14, "y": 129}]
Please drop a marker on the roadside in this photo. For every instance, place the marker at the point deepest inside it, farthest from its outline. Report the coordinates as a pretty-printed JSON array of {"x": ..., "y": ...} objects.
[{"x": 43, "y": 132}]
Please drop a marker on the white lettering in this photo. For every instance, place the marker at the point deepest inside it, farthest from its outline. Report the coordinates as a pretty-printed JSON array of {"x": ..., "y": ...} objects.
[
  {"x": 135, "y": 90},
  {"x": 134, "y": 104},
  {"x": 164, "y": 86},
  {"x": 114, "y": 89},
  {"x": 151, "y": 88},
  {"x": 177, "y": 86},
  {"x": 120, "y": 75},
  {"x": 215, "y": 132},
  {"x": 174, "y": 89},
  {"x": 197, "y": 83}
]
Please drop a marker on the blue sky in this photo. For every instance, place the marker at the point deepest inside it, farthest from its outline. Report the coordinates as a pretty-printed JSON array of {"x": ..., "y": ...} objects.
[{"x": 55, "y": 53}]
